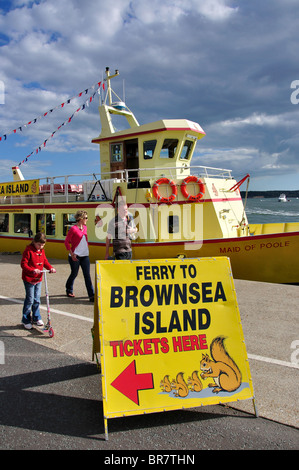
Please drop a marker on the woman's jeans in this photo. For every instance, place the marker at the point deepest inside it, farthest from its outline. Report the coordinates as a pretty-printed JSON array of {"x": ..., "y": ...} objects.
[
  {"x": 31, "y": 303},
  {"x": 84, "y": 262}
]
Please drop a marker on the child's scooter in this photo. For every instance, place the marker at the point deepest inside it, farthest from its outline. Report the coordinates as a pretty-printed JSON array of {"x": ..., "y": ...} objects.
[{"x": 47, "y": 328}]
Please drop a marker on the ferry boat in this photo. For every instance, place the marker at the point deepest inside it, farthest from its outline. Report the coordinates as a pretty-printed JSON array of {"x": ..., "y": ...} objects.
[{"x": 179, "y": 210}]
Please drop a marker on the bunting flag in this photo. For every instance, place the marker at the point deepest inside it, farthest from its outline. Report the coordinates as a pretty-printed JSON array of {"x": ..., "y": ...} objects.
[
  {"x": 33, "y": 121},
  {"x": 84, "y": 105}
]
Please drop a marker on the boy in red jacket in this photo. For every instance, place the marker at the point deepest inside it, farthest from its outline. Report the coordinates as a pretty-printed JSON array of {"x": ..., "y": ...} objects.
[{"x": 33, "y": 262}]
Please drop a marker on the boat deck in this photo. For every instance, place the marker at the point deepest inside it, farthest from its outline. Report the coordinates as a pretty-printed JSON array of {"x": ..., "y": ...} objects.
[{"x": 265, "y": 229}]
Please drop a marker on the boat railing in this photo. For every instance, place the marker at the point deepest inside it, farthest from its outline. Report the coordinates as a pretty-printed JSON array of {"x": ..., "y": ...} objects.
[
  {"x": 181, "y": 172},
  {"x": 96, "y": 186},
  {"x": 211, "y": 172}
]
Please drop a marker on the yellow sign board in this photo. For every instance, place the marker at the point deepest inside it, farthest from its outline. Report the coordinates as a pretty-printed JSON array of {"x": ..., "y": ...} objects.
[
  {"x": 19, "y": 188},
  {"x": 170, "y": 335}
]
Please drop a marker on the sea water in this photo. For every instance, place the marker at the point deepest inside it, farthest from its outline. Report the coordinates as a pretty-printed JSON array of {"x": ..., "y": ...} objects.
[{"x": 270, "y": 210}]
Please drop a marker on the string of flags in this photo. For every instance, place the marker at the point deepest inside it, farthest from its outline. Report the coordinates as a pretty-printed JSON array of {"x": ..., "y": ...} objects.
[
  {"x": 83, "y": 106},
  {"x": 33, "y": 121}
]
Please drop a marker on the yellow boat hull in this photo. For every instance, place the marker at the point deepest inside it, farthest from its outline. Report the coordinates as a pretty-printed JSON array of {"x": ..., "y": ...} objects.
[{"x": 265, "y": 258}]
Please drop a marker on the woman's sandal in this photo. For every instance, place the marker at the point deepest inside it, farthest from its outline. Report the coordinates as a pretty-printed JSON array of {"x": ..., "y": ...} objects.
[{"x": 69, "y": 294}]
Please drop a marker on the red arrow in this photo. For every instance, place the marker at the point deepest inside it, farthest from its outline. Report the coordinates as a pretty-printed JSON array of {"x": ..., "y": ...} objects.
[{"x": 129, "y": 383}]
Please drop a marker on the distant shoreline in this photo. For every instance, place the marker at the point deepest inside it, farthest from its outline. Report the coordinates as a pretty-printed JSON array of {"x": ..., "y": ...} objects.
[{"x": 268, "y": 194}]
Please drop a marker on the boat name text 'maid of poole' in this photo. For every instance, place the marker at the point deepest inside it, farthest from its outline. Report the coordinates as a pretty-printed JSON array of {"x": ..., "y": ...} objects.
[{"x": 179, "y": 210}]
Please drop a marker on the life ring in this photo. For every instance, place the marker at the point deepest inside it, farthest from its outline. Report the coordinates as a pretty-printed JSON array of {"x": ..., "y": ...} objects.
[
  {"x": 202, "y": 189},
  {"x": 174, "y": 190}
]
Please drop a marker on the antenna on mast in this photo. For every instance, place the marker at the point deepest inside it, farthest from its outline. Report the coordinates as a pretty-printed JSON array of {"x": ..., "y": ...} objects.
[{"x": 108, "y": 78}]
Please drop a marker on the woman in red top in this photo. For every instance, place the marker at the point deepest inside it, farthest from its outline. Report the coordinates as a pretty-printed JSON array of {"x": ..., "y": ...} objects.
[
  {"x": 76, "y": 243},
  {"x": 33, "y": 262}
]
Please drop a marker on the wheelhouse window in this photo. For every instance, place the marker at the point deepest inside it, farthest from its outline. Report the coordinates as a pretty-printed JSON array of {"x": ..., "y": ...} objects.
[
  {"x": 173, "y": 224},
  {"x": 22, "y": 223},
  {"x": 149, "y": 149},
  {"x": 116, "y": 153},
  {"x": 186, "y": 151},
  {"x": 169, "y": 148},
  {"x": 4, "y": 222},
  {"x": 68, "y": 221},
  {"x": 46, "y": 223}
]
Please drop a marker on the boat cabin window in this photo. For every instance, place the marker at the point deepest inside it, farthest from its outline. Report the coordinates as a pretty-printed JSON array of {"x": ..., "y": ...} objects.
[
  {"x": 173, "y": 224},
  {"x": 149, "y": 149},
  {"x": 169, "y": 148},
  {"x": 186, "y": 152},
  {"x": 4, "y": 222},
  {"x": 22, "y": 223},
  {"x": 116, "y": 151},
  {"x": 46, "y": 223},
  {"x": 68, "y": 221}
]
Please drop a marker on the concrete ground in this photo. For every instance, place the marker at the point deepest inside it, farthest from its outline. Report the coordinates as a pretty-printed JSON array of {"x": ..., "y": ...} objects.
[{"x": 51, "y": 387}]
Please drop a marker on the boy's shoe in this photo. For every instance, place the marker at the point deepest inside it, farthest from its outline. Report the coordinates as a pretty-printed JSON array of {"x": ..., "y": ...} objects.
[
  {"x": 28, "y": 326},
  {"x": 39, "y": 323}
]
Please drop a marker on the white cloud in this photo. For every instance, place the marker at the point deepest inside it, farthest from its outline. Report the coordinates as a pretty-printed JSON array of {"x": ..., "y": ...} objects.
[
  {"x": 215, "y": 10},
  {"x": 171, "y": 11},
  {"x": 254, "y": 120}
]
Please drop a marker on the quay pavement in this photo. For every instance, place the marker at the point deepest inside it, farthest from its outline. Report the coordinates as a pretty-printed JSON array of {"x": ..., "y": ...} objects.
[{"x": 50, "y": 389}]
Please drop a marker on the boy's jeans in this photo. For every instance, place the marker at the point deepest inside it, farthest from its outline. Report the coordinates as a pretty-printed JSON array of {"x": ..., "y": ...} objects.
[{"x": 31, "y": 303}]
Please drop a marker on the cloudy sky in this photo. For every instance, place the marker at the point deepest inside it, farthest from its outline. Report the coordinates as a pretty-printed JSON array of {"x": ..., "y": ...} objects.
[{"x": 232, "y": 66}]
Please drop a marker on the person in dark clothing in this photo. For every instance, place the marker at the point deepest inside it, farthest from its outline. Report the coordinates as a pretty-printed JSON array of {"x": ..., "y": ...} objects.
[{"x": 121, "y": 230}]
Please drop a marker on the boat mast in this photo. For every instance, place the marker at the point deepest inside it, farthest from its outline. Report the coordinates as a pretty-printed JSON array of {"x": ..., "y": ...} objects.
[
  {"x": 107, "y": 79},
  {"x": 119, "y": 108}
]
